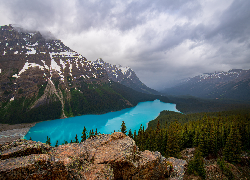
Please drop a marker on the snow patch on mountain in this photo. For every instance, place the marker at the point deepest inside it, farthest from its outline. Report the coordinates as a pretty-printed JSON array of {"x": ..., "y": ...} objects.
[{"x": 124, "y": 69}]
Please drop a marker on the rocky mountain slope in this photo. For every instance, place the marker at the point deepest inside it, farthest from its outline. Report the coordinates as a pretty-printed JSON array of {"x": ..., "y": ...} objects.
[
  {"x": 234, "y": 84},
  {"x": 42, "y": 79},
  {"x": 113, "y": 156},
  {"x": 125, "y": 76}
]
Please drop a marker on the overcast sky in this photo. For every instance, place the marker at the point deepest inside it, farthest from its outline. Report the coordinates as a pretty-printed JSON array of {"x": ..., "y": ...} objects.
[{"x": 161, "y": 40}]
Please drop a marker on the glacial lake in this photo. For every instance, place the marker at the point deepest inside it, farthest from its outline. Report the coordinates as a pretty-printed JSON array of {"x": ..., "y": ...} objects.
[{"x": 66, "y": 129}]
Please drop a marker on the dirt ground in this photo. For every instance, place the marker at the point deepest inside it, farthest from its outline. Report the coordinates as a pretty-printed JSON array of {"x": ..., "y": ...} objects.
[{"x": 13, "y": 132}]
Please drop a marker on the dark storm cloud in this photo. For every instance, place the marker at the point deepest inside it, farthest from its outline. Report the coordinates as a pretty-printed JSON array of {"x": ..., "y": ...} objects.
[
  {"x": 162, "y": 40},
  {"x": 92, "y": 14},
  {"x": 235, "y": 22},
  {"x": 138, "y": 12}
]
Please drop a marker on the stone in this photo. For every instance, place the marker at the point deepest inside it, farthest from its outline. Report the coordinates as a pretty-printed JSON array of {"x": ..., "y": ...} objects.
[
  {"x": 114, "y": 156},
  {"x": 187, "y": 154},
  {"x": 23, "y": 147},
  {"x": 179, "y": 166}
]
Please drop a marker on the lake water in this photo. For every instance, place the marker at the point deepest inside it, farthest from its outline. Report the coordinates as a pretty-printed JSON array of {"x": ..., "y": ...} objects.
[{"x": 66, "y": 129}]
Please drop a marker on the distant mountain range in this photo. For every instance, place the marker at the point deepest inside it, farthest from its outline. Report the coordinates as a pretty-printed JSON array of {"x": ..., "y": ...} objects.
[
  {"x": 234, "y": 85},
  {"x": 41, "y": 79}
]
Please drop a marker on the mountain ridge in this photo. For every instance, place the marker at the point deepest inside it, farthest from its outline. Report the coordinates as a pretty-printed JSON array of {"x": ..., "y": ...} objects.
[
  {"x": 125, "y": 76},
  {"x": 233, "y": 84},
  {"x": 43, "y": 79}
]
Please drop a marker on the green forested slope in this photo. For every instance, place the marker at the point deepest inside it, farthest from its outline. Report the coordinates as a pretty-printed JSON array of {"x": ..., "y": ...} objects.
[
  {"x": 212, "y": 133},
  {"x": 86, "y": 99}
]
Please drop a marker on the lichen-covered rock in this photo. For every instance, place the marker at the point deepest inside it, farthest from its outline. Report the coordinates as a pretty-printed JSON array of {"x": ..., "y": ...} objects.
[
  {"x": 179, "y": 166},
  {"x": 113, "y": 156},
  {"x": 35, "y": 166},
  {"x": 187, "y": 154},
  {"x": 22, "y": 147}
]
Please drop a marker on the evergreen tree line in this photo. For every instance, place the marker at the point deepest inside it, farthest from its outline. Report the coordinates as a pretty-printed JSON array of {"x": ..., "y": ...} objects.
[
  {"x": 96, "y": 99},
  {"x": 225, "y": 135},
  {"x": 18, "y": 111}
]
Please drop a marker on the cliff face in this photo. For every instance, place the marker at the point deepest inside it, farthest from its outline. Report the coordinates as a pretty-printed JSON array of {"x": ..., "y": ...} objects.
[{"x": 113, "y": 156}]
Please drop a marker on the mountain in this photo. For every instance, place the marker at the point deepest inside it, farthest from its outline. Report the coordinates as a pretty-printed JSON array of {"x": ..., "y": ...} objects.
[
  {"x": 125, "y": 76},
  {"x": 234, "y": 84},
  {"x": 42, "y": 79}
]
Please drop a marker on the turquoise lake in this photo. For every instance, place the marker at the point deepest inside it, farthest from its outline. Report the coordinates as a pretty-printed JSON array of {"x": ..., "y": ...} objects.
[{"x": 66, "y": 129}]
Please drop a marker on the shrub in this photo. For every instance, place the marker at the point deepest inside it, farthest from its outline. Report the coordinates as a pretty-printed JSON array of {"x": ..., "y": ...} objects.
[
  {"x": 224, "y": 168},
  {"x": 196, "y": 165}
]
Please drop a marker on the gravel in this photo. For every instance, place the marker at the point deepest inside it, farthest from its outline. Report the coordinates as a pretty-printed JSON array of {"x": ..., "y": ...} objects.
[{"x": 14, "y": 132}]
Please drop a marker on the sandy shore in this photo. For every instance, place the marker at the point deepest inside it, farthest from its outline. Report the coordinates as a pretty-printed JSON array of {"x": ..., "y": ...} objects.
[{"x": 13, "y": 132}]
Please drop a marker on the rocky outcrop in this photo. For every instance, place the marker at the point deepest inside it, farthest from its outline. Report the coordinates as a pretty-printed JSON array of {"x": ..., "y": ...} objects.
[
  {"x": 114, "y": 156},
  {"x": 187, "y": 154},
  {"x": 178, "y": 166}
]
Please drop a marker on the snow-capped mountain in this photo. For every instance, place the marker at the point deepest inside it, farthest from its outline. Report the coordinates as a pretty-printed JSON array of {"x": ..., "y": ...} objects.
[
  {"x": 41, "y": 79},
  {"x": 234, "y": 84},
  {"x": 125, "y": 76}
]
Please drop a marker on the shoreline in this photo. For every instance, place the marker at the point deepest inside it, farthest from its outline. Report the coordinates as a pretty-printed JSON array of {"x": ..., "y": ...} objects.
[{"x": 13, "y": 132}]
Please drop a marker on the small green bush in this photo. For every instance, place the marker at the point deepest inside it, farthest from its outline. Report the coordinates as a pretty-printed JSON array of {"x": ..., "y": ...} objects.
[
  {"x": 225, "y": 169},
  {"x": 196, "y": 165}
]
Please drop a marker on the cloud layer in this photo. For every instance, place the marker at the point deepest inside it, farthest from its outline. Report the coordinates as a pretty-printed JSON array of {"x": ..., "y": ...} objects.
[{"x": 162, "y": 40}]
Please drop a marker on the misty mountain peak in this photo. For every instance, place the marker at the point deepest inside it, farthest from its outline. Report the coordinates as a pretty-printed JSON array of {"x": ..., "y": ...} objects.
[{"x": 125, "y": 76}]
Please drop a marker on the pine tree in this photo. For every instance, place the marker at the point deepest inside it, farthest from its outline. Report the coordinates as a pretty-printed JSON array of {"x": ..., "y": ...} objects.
[
  {"x": 48, "y": 141},
  {"x": 221, "y": 134},
  {"x": 165, "y": 139},
  {"x": 135, "y": 137},
  {"x": 84, "y": 136},
  {"x": 159, "y": 139},
  {"x": 185, "y": 143},
  {"x": 56, "y": 144},
  {"x": 140, "y": 138},
  {"x": 130, "y": 134},
  {"x": 123, "y": 128},
  {"x": 203, "y": 141},
  {"x": 213, "y": 140},
  {"x": 232, "y": 149},
  {"x": 91, "y": 133},
  {"x": 196, "y": 136},
  {"x": 158, "y": 127},
  {"x": 76, "y": 140},
  {"x": 196, "y": 165},
  {"x": 149, "y": 139},
  {"x": 173, "y": 141},
  {"x": 204, "y": 138}
]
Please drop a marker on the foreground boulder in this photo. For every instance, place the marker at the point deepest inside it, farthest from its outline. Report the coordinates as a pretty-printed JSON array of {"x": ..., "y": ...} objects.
[{"x": 114, "y": 156}]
